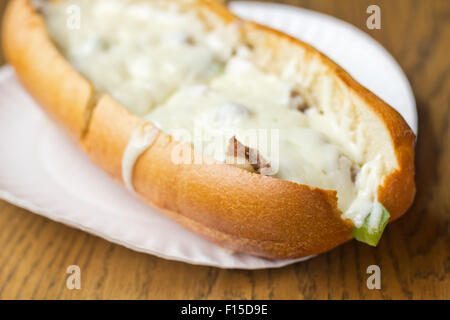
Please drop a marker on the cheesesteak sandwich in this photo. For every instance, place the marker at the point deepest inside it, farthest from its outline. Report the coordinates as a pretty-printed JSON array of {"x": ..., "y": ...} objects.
[{"x": 240, "y": 133}]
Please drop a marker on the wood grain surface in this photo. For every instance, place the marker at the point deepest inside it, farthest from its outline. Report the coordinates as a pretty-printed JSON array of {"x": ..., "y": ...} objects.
[{"x": 414, "y": 253}]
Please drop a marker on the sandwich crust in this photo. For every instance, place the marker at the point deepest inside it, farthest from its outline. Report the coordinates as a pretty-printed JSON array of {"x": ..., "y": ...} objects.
[
  {"x": 237, "y": 209},
  {"x": 44, "y": 72}
]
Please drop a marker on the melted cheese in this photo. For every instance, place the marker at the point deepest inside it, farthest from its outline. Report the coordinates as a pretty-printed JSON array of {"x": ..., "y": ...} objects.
[
  {"x": 198, "y": 84},
  {"x": 248, "y": 104},
  {"x": 138, "y": 52},
  {"x": 141, "y": 139}
]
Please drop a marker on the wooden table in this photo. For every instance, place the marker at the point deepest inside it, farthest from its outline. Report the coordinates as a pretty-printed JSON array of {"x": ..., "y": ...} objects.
[{"x": 413, "y": 254}]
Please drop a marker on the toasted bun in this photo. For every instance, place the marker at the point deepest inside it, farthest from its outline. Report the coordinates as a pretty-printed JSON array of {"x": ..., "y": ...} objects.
[{"x": 237, "y": 209}]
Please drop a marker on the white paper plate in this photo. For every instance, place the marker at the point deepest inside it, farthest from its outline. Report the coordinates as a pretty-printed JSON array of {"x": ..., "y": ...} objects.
[{"x": 44, "y": 172}]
